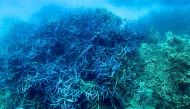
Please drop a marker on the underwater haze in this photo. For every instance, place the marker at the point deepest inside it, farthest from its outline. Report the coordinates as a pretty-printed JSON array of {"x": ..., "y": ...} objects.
[{"x": 94, "y": 54}]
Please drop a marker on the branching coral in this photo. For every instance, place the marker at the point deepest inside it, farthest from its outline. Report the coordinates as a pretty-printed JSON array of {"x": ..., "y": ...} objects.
[
  {"x": 89, "y": 59},
  {"x": 72, "y": 61}
]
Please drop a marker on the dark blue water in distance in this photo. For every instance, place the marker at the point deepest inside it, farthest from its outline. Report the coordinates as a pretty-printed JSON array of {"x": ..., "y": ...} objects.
[{"x": 94, "y": 54}]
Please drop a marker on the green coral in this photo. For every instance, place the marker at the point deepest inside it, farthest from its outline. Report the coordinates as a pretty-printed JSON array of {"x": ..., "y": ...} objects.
[{"x": 166, "y": 72}]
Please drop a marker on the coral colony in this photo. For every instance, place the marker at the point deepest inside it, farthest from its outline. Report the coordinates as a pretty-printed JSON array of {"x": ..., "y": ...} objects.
[{"x": 91, "y": 59}]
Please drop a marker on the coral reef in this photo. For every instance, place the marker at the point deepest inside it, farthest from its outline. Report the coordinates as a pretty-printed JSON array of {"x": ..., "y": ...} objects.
[
  {"x": 166, "y": 71},
  {"x": 71, "y": 61},
  {"x": 87, "y": 59}
]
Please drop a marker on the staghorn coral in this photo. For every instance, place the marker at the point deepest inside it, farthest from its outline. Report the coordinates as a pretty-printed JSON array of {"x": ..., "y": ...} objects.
[
  {"x": 71, "y": 61},
  {"x": 89, "y": 59}
]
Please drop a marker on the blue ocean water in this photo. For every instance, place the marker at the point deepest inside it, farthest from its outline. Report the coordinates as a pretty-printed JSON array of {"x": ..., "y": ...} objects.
[{"x": 94, "y": 54}]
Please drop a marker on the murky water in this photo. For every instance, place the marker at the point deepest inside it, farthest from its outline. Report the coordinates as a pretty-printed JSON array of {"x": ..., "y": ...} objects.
[{"x": 94, "y": 54}]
